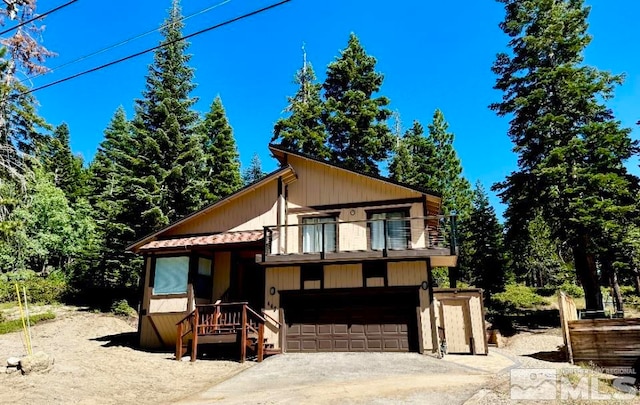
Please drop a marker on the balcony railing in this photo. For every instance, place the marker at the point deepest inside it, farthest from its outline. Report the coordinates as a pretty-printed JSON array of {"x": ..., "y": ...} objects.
[{"x": 385, "y": 237}]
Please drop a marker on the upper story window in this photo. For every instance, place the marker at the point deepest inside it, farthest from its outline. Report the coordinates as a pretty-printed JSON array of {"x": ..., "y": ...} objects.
[
  {"x": 390, "y": 230},
  {"x": 313, "y": 237},
  {"x": 171, "y": 275}
]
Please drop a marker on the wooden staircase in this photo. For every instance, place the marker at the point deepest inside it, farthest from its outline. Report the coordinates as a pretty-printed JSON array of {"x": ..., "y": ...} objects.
[{"x": 231, "y": 322}]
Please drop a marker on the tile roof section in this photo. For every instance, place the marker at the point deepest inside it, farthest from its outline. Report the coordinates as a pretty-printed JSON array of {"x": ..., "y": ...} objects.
[{"x": 205, "y": 240}]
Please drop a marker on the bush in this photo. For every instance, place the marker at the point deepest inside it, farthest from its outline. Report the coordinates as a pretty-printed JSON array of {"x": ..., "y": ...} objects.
[
  {"x": 122, "y": 308},
  {"x": 16, "y": 324},
  {"x": 518, "y": 296},
  {"x": 572, "y": 289},
  {"x": 43, "y": 290}
]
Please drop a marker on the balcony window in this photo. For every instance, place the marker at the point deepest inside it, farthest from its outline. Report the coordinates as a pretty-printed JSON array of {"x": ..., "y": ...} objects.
[
  {"x": 397, "y": 230},
  {"x": 313, "y": 237}
]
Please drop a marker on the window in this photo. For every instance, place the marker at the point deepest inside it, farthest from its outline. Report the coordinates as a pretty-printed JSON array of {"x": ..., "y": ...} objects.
[
  {"x": 374, "y": 274},
  {"x": 397, "y": 229},
  {"x": 311, "y": 277},
  {"x": 204, "y": 281},
  {"x": 171, "y": 275},
  {"x": 312, "y": 236}
]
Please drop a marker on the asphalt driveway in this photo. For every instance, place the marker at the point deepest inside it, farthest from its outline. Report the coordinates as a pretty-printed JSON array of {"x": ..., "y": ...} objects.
[{"x": 349, "y": 378}]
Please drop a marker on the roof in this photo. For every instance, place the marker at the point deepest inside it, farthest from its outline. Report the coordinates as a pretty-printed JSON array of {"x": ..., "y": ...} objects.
[
  {"x": 204, "y": 240},
  {"x": 285, "y": 169},
  {"x": 285, "y": 151}
]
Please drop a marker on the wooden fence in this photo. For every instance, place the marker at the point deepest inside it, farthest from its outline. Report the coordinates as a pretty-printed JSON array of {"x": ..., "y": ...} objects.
[{"x": 605, "y": 342}]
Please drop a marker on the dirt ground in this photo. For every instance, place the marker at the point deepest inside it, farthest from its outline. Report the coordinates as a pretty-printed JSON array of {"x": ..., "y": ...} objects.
[{"x": 95, "y": 363}]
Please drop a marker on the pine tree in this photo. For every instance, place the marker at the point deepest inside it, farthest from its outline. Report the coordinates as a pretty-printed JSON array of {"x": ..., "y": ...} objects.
[
  {"x": 483, "y": 247},
  {"x": 254, "y": 172},
  {"x": 221, "y": 160},
  {"x": 571, "y": 149},
  {"x": 114, "y": 184},
  {"x": 359, "y": 137},
  {"x": 164, "y": 124},
  {"x": 303, "y": 130},
  {"x": 67, "y": 169}
]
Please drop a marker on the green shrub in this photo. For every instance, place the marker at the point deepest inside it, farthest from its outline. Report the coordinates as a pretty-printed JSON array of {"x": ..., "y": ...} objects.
[
  {"x": 572, "y": 289},
  {"x": 518, "y": 296},
  {"x": 16, "y": 324},
  {"x": 628, "y": 290},
  {"x": 43, "y": 290},
  {"x": 122, "y": 308}
]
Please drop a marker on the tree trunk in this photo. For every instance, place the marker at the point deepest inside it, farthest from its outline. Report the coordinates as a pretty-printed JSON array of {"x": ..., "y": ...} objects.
[
  {"x": 587, "y": 274},
  {"x": 617, "y": 295},
  {"x": 636, "y": 280}
]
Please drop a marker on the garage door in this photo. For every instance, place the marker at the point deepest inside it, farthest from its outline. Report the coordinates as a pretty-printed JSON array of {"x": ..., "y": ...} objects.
[{"x": 351, "y": 320}]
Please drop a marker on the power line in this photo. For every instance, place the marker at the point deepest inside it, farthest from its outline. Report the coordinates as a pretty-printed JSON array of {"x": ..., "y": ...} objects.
[
  {"x": 126, "y": 41},
  {"x": 213, "y": 27},
  {"x": 39, "y": 16}
]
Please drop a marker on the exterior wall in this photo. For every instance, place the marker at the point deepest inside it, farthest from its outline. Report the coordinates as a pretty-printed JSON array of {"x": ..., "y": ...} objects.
[
  {"x": 282, "y": 279},
  {"x": 474, "y": 307},
  {"x": 343, "y": 276},
  {"x": 165, "y": 325},
  {"x": 162, "y": 305},
  {"x": 221, "y": 274},
  {"x": 250, "y": 211}
]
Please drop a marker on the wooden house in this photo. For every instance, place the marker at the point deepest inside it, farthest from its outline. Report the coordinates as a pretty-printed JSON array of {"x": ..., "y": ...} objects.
[{"x": 312, "y": 257}]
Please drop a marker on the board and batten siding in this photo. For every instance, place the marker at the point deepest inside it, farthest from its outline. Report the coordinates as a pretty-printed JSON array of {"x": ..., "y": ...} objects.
[
  {"x": 414, "y": 274},
  {"x": 165, "y": 325},
  {"x": 248, "y": 212},
  {"x": 343, "y": 276},
  {"x": 281, "y": 279}
]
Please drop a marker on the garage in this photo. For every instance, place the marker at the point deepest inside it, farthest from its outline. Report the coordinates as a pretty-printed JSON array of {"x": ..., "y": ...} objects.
[{"x": 354, "y": 320}]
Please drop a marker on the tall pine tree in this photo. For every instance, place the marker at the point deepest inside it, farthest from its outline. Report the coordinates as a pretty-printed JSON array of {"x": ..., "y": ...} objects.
[
  {"x": 221, "y": 162},
  {"x": 67, "y": 169},
  {"x": 571, "y": 149},
  {"x": 254, "y": 172},
  {"x": 359, "y": 137},
  {"x": 303, "y": 130},
  {"x": 164, "y": 124}
]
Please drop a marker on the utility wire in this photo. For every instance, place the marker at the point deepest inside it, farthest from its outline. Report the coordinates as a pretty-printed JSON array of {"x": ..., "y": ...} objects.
[
  {"x": 213, "y": 27},
  {"x": 39, "y": 16},
  {"x": 126, "y": 41}
]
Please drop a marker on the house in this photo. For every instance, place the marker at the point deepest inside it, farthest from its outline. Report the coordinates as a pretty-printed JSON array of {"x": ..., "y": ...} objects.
[{"x": 312, "y": 257}]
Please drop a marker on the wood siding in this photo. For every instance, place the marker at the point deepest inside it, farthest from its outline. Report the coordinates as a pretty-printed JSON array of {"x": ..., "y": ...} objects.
[
  {"x": 221, "y": 274},
  {"x": 460, "y": 313},
  {"x": 163, "y": 305},
  {"x": 343, "y": 276},
  {"x": 165, "y": 332},
  {"x": 282, "y": 279},
  {"x": 250, "y": 211},
  {"x": 606, "y": 342}
]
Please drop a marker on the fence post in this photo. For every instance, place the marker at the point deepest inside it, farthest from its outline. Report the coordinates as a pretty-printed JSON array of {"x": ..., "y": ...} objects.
[{"x": 243, "y": 334}]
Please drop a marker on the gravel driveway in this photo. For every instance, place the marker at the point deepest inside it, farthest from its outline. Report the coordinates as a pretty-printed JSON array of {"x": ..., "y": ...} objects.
[{"x": 348, "y": 378}]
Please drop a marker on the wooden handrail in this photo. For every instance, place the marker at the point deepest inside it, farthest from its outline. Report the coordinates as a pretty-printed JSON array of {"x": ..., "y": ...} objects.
[
  {"x": 186, "y": 317},
  {"x": 272, "y": 319},
  {"x": 257, "y": 315}
]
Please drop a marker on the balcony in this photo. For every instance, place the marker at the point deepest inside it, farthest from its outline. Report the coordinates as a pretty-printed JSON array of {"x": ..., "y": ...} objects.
[{"x": 331, "y": 240}]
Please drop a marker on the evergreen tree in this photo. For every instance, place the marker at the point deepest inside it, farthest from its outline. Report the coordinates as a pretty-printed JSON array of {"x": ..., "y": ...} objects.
[
  {"x": 303, "y": 130},
  {"x": 484, "y": 246},
  {"x": 359, "y": 137},
  {"x": 254, "y": 172},
  {"x": 170, "y": 152},
  {"x": 221, "y": 159},
  {"x": 114, "y": 184},
  {"x": 67, "y": 169},
  {"x": 571, "y": 149}
]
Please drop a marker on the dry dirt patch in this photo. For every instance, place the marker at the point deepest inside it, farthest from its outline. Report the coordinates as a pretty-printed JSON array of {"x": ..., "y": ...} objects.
[{"x": 93, "y": 365}]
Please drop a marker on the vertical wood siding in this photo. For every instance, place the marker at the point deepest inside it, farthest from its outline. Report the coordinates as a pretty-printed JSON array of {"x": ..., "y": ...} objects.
[
  {"x": 472, "y": 304},
  {"x": 282, "y": 279},
  {"x": 343, "y": 276},
  {"x": 166, "y": 326}
]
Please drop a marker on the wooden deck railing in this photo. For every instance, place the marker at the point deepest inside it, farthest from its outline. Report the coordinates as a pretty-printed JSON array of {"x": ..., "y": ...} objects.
[{"x": 219, "y": 320}]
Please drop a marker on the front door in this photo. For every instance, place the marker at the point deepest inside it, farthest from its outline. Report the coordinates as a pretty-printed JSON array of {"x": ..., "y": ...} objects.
[
  {"x": 248, "y": 280},
  {"x": 457, "y": 325}
]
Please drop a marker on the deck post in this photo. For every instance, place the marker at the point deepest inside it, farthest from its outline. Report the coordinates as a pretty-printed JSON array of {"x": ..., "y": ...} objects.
[
  {"x": 243, "y": 335},
  {"x": 194, "y": 333},
  {"x": 179, "y": 343},
  {"x": 260, "y": 343}
]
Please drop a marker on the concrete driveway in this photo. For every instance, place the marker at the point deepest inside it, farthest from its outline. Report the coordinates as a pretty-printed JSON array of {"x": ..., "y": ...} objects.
[{"x": 354, "y": 378}]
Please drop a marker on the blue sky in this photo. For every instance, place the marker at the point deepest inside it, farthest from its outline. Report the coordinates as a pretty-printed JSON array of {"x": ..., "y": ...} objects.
[{"x": 434, "y": 54}]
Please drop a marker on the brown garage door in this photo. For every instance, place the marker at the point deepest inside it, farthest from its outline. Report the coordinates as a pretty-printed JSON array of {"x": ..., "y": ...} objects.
[{"x": 351, "y": 320}]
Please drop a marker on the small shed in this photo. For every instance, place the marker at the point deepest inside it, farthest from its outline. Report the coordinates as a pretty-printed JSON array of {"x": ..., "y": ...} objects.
[{"x": 460, "y": 319}]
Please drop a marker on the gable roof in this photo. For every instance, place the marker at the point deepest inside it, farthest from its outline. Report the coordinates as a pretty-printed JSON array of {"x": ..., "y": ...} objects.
[
  {"x": 284, "y": 170},
  {"x": 280, "y": 153}
]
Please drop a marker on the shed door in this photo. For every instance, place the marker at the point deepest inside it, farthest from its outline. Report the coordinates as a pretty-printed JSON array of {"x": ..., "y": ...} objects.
[
  {"x": 457, "y": 325},
  {"x": 355, "y": 321}
]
